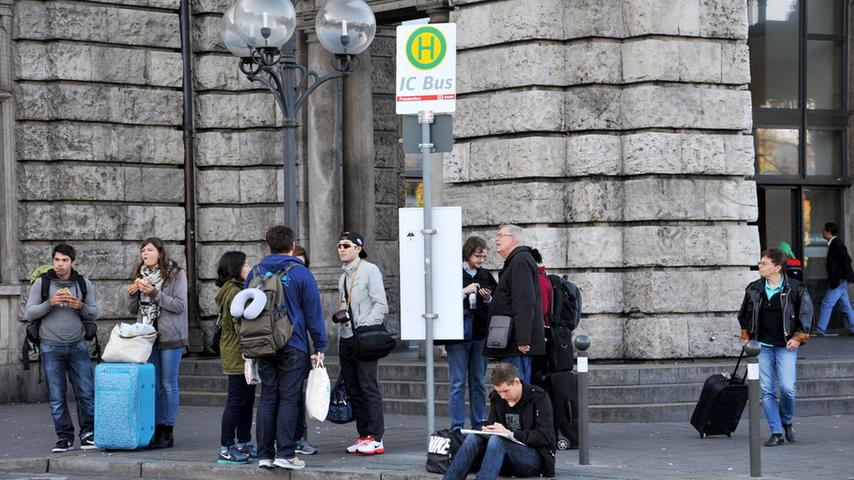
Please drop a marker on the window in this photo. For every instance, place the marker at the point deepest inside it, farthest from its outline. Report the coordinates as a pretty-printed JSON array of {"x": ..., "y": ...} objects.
[{"x": 799, "y": 84}]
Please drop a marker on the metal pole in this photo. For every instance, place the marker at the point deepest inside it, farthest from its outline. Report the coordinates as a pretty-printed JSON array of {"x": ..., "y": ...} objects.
[
  {"x": 752, "y": 350},
  {"x": 582, "y": 343},
  {"x": 290, "y": 170},
  {"x": 425, "y": 118}
]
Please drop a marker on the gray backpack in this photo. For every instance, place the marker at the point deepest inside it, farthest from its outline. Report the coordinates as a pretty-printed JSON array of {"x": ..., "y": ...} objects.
[{"x": 270, "y": 331}]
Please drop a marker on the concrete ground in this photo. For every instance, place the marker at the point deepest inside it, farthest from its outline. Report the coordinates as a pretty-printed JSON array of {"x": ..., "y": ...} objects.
[{"x": 654, "y": 451}]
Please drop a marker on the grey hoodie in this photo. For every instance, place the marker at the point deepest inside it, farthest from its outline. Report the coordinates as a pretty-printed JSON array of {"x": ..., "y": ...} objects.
[{"x": 61, "y": 326}]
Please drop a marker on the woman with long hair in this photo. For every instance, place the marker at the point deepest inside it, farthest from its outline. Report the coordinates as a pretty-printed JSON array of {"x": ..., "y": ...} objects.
[
  {"x": 237, "y": 416},
  {"x": 158, "y": 297}
]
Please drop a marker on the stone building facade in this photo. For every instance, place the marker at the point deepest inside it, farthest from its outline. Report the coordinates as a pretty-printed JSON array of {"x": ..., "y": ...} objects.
[{"x": 618, "y": 132}]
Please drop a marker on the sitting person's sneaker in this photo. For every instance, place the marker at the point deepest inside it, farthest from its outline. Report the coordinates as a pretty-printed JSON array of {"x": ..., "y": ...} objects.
[
  {"x": 371, "y": 446},
  {"x": 87, "y": 441},
  {"x": 304, "y": 447},
  {"x": 249, "y": 450},
  {"x": 355, "y": 446},
  {"x": 790, "y": 434},
  {"x": 774, "y": 440},
  {"x": 232, "y": 456},
  {"x": 289, "y": 463},
  {"x": 265, "y": 463},
  {"x": 63, "y": 445}
]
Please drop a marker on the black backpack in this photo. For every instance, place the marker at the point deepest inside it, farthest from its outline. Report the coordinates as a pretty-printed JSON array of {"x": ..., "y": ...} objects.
[
  {"x": 566, "y": 303},
  {"x": 441, "y": 449}
]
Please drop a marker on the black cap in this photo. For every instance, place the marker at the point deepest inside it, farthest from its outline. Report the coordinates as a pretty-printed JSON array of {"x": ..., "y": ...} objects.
[{"x": 357, "y": 240}]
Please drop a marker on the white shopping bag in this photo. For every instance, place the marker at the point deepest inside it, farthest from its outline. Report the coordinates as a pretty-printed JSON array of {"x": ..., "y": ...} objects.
[
  {"x": 250, "y": 371},
  {"x": 317, "y": 393}
]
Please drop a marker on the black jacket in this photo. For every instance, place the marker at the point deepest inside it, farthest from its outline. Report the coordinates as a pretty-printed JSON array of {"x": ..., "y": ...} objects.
[
  {"x": 838, "y": 263},
  {"x": 518, "y": 296},
  {"x": 537, "y": 429},
  {"x": 481, "y": 312},
  {"x": 797, "y": 310}
]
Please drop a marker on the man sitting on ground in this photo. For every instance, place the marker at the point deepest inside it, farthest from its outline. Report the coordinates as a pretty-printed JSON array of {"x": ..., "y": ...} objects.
[{"x": 525, "y": 413}]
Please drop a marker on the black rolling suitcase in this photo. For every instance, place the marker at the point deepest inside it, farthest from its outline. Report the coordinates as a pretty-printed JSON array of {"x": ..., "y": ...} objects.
[
  {"x": 721, "y": 403},
  {"x": 564, "y": 396}
]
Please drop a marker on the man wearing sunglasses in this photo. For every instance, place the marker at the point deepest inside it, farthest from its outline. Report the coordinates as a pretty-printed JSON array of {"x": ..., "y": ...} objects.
[{"x": 361, "y": 302}]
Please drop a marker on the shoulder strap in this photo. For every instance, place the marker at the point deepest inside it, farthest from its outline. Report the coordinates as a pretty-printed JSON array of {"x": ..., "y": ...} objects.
[
  {"x": 81, "y": 283},
  {"x": 45, "y": 278}
]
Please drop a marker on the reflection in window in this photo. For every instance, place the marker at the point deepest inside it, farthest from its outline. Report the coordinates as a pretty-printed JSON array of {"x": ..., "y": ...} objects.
[
  {"x": 773, "y": 40},
  {"x": 820, "y": 206},
  {"x": 776, "y": 151},
  {"x": 824, "y": 75},
  {"x": 825, "y": 16},
  {"x": 824, "y": 153},
  {"x": 413, "y": 192}
]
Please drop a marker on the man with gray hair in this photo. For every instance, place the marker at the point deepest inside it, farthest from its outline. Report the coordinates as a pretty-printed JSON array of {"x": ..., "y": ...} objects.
[{"x": 518, "y": 297}]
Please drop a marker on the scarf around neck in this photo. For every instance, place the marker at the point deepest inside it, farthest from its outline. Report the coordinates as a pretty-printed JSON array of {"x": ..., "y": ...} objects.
[{"x": 149, "y": 310}]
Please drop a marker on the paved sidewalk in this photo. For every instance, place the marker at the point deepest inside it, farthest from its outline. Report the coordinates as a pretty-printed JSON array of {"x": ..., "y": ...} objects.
[{"x": 655, "y": 451}]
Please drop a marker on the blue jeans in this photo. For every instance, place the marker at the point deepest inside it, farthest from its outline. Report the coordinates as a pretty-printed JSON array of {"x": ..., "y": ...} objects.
[
  {"x": 831, "y": 298},
  {"x": 281, "y": 393},
  {"x": 237, "y": 415},
  {"x": 778, "y": 364},
  {"x": 500, "y": 456},
  {"x": 166, "y": 363},
  {"x": 523, "y": 364},
  {"x": 70, "y": 361},
  {"x": 466, "y": 362}
]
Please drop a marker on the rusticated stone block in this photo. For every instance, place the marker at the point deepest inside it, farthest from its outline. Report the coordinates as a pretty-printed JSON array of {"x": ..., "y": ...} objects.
[
  {"x": 98, "y": 143},
  {"x": 110, "y": 183},
  {"x": 671, "y": 60},
  {"x": 589, "y": 200},
  {"x": 502, "y": 158},
  {"x": 164, "y": 68},
  {"x": 455, "y": 164},
  {"x": 690, "y": 245},
  {"x": 508, "y": 21},
  {"x": 731, "y": 200},
  {"x": 218, "y": 186},
  {"x": 66, "y": 221},
  {"x": 510, "y": 112},
  {"x": 521, "y": 202},
  {"x": 383, "y": 75},
  {"x": 164, "y": 4},
  {"x": 97, "y": 260},
  {"x": 593, "y": 155},
  {"x": 686, "y": 291},
  {"x": 651, "y": 106},
  {"x": 210, "y": 6},
  {"x": 675, "y": 153},
  {"x": 386, "y": 222},
  {"x": 228, "y": 224},
  {"x": 602, "y": 292},
  {"x": 264, "y": 185},
  {"x": 237, "y": 111},
  {"x": 665, "y": 199},
  {"x": 593, "y": 18},
  {"x": 254, "y": 147},
  {"x": 723, "y": 19},
  {"x": 385, "y": 117},
  {"x": 209, "y": 255},
  {"x": 207, "y": 298},
  {"x": 662, "y": 17},
  {"x": 735, "y": 63},
  {"x": 95, "y": 23},
  {"x": 592, "y": 61},
  {"x": 593, "y": 108},
  {"x": 534, "y": 63},
  {"x": 387, "y": 185},
  {"x": 472, "y": 116},
  {"x": 606, "y": 334},
  {"x": 713, "y": 336},
  {"x": 220, "y": 72},
  {"x": 594, "y": 247},
  {"x": 207, "y": 34},
  {"x": 98, "y": 103},
  {"x": 387, "y": 149},
  {"x": 384, "y": 43},
  {"x": 656, "y": 337}
]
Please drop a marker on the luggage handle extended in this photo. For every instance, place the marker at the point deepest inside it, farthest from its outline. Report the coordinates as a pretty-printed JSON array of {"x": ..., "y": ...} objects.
[{"x": 734, "y": 375}]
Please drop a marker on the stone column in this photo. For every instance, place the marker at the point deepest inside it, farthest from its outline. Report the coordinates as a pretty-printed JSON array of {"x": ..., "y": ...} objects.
[
  {"x": 359, "y": 185},
  {"x": 8, "y": 199}
]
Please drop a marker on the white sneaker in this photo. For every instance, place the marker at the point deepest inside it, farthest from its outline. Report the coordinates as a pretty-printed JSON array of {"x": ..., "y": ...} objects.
[
  {"x": 355, "y": 446},
  {"x": 265, "y": 463},
  {"x": 371, "y": 447},
  {"x": 289, "y": 463}
]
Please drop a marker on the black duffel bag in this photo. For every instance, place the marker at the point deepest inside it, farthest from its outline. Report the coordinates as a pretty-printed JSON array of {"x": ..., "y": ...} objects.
[
  {"x": 441, "y": 448},
  {"x": 373, "y": 342}
]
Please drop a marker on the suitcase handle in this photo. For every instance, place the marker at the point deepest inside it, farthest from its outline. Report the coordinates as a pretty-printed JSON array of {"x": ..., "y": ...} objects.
[{"x": 734, "y": 375}]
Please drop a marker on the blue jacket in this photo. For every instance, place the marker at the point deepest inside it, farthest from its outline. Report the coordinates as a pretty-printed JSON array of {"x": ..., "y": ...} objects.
[{"x": 303, "y": 301}]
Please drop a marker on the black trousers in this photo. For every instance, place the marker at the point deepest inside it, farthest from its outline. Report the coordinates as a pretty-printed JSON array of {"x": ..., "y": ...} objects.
[
  {"x": 363, "y": 386},
  {"x": 237, "y": 416}
]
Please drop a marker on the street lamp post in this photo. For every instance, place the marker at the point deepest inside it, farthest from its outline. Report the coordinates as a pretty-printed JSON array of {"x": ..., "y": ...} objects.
[{"x": 260, "y": 33}]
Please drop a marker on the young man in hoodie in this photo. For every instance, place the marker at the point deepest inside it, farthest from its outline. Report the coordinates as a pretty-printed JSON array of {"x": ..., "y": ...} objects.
[
  {"x": 518, "y": 296},
  {"x": 282, "y": 376},
  {"x": 521, "y": 415},
  {"x": 64, "y": 349}
]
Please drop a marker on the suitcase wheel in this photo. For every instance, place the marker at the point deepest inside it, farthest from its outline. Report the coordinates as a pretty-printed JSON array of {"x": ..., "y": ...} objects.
[
  {"x": 562, "y": 444},
  {"x": 702, "y": 435}
]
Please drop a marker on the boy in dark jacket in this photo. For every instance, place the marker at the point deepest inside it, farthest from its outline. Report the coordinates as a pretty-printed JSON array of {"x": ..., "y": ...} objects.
[{"x": 519, "y": 436}]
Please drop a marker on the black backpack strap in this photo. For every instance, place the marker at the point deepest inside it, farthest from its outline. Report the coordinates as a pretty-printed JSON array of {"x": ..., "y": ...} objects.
[
  {"x": 45, "y": 278},
  {"x": 25, "y": 353},
  {"x": 81, "y": 284}
]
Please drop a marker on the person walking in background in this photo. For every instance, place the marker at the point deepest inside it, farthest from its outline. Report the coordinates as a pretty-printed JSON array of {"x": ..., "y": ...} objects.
[
  {"x": 362, "y": 301},
  {"x": 231, "y": 273},
  {"x": 777, "y": 312},
  {"x": 303, "y": 446},
  {"x": 465, "y": 357},
  {"x": 70, "y": 301},
  {"x": 518, "y": 296},
  {"x": 158, "y": 297},
  {"x": 282, "y": 375},
  {"x": 839, "y": 273}
]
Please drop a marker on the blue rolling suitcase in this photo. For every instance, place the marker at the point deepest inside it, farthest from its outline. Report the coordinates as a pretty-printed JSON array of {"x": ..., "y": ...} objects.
[{"x": 124, "y": 405}]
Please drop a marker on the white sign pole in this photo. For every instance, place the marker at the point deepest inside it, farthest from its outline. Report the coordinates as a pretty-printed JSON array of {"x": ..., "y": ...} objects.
[{"x": 425, "y": 118}]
